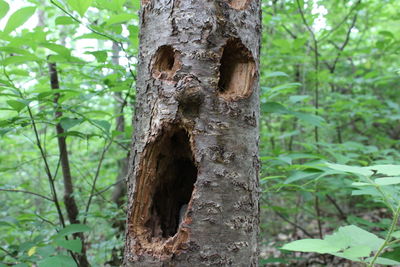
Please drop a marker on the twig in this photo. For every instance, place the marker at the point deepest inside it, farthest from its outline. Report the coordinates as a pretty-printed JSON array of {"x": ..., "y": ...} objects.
[
  {"x": 95, "y": 180},
  {"x": 293, "y": 224},
  {"x": 27, "y": 192}
]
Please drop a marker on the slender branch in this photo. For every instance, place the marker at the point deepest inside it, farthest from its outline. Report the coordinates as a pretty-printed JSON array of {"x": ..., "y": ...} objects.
[
  {"x": 293, "y": 224},
  {"x": 342, "y": 215},
  {"x": 47, "y": 169},
  {"x": 102, "y": 156},
  {"x": 342, "y": 47},
  {"x": 26, "y": 192},
  {"x": 343, "y": 21},
  {"x": 44, "y": 219},
  {"x": 108, "y": 188}
]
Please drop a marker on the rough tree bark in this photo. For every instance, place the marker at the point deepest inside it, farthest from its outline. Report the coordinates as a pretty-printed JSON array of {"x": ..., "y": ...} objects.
[{"x": 193, "y": 174}]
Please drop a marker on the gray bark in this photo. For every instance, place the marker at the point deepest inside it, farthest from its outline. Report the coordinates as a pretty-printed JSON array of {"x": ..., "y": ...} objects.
[{"x": 196, "y": 135}]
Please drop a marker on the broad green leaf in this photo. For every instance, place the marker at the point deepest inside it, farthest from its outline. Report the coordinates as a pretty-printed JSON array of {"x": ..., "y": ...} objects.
[
  {"x": 361, "y": 237},
  {"x": 74, "y": 245},
  {"x": 356, "y": 241},
  {"x": 101, "y": 56},
  {"x": 64, "y": 20},
  {"x": 105, "y": 125},
  {"x": 357, "y": 251},
  {"x": 80, "y": 6},
  {"x": 46, "y": 251},
  {"x": 68, "y": 123},
  {"x": 4, "y": 7},
  {"x": 369, "y": 191},
  {"x": 276, "y": 74},
  {"x": 396, "y": 234},
  {"x": 309, "y": 118},
  {"x": 73, "y": 228},
  {"x": 384, "y": 261},
  {"x": 119, "y": 18},
  {"x": 59, "y": 261},
  {"x": 62, "y": 50},
  {"x": 352, "y": 169},
  {"x": 113, "y": 5},
  {"x": 18, "y": 59},
  {"x": 311, "y": 245},
  {"x": 18, "y": 18},
  {"x": 274, "y": 107},
  {"x": 298, "y": 98},
  {"x": 387, "y": 180},
  {"x": 301, "y": 175},
  {"x": 390, "y": 170},
  {"x": 16, "y": 105}
]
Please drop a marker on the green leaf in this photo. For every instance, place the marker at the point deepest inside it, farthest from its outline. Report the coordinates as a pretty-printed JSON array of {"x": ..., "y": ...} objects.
[
  {"x": 345, "y": 168},
  {"x": 390, "y": 170},
  {"x": 101, "y": 56},
  {"x": 274, "y": 107},
  {"x": 360, "y": 237},
  {"x": 309, "y": 118},
  {"x": 119, "y": 18},
  {"x": 387, "y": 180},
  {"x": 73, "y": 228},
  {"x": 62, "y": 50},
  {"x": 68, "y": 123},
  {"x": 64, "y": 20},
  {"x": 4, "y": 7},
  {"x": 16, "y": 105},
  {"x": 356, "y": 241},
  {"x": 396, "y": 234},
  {"x": 18, "y": 59},
  {"x": 311, "y": 245},
  {"x": 105, "y": 125},
  {"x": 74, "y": 245},
  {"x": 384, "y": 261},
  {"x": 276, "y": 74},
  {"x": 113, "y": 5},
  {"x": 18, "y": 18},
  {"x": 59, "y": 261},
  {"x": 80, "y": 6},
  {"x": 357, "y": 251},
  {"x": 298, "y": 98}
]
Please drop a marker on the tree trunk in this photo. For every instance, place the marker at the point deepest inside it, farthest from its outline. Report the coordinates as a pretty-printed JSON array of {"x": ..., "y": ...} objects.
[{"x": 193, "y": 174}]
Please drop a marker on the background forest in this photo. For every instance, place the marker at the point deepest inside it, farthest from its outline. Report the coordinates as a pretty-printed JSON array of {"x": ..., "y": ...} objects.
[{"x": 330, "y": 101}]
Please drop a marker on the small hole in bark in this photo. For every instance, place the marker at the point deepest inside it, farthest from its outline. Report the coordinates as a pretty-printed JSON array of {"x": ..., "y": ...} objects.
[
  {"x": 238, "y": 4},
  {"x": 237, "y": 71},
  {"x": 165, "y": 63}
]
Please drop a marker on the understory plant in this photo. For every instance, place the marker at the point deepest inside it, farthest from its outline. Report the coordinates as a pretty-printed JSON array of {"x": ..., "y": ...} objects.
[{"x": 381, "y": 183}]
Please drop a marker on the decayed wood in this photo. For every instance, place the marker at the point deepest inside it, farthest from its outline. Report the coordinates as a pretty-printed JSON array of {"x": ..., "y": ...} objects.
[{"x": 193, "y": 174}]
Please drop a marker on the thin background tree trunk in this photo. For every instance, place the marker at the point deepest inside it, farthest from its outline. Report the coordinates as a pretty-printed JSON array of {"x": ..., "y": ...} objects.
[{"x": 193, "y": 174}]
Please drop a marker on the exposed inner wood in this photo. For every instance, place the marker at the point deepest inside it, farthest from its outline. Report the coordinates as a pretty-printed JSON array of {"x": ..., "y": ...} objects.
[
  {"x": 237, "y": 71},
  {"x": 164, "y": 188},
  {"x": 165, "y": 63},
  {"x": 144, "y": 2},
  {"x": 238, "y": 4}
]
